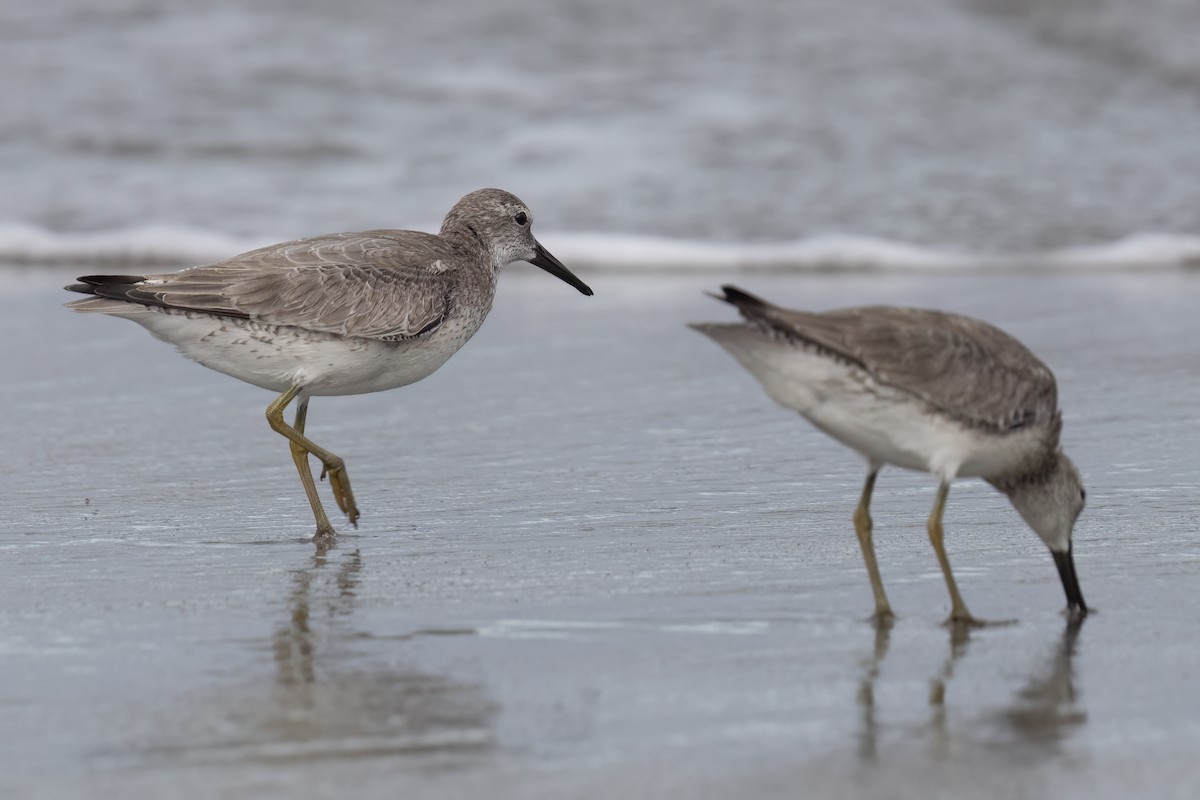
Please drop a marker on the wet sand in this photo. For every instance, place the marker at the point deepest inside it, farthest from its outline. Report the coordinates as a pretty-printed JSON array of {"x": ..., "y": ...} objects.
[{"x": 594, "y": 561}]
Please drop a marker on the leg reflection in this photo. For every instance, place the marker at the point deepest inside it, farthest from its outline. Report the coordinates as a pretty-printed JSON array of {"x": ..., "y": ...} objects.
[
  {"x": 868, "y": 738},
  {"x": 960, "y": 637},
  {"x": 293, "y": 643}
]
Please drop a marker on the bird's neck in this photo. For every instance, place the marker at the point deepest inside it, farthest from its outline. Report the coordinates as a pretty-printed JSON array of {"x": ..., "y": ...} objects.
[
  {"x": 469, "y": 239},
  {"x": 1038, "y": 470}
]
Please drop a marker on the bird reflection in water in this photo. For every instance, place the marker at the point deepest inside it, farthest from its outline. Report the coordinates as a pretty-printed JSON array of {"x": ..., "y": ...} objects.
[
  {"x": 334, "y": 691},
  {"x": 331, "y": 698},
  {"x": 293, "y": 641},
  {"x": 1042, "y": 715},
  {"x": 1046, "y": 710}
]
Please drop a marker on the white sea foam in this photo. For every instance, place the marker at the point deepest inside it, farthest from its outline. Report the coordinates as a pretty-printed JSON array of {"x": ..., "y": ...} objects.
[
  {"x": 832, "y": 253},
  {"x": 847, "y": 253},
  {"x": 156, "y": 244},
  {"x": 171, "y": 246}
]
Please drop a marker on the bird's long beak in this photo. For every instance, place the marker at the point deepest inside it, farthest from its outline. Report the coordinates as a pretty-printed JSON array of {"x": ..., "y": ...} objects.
[
  {"x": 1066, "y": 570},
  {"x": 543, "y": 259}
]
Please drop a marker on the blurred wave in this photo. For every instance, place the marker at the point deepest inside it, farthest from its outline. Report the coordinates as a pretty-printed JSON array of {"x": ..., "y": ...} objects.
[
  {"x": 962, "y": 126},
  {"x": 166, "y": 246}
]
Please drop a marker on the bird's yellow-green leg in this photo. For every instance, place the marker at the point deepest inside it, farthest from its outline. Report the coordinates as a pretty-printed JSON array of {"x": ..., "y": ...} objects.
[
  {"x": 333, "y": 466},
  {"x": 958, "y": 609},
  {"x": 300, "y": 456},
  {"x": 862, "y": 526}
]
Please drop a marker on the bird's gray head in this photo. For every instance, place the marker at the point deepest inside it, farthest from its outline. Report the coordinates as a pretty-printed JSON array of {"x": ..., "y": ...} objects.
[
  {"x": 502, "y": 225},
  {"x": 1050, "y": 501}
]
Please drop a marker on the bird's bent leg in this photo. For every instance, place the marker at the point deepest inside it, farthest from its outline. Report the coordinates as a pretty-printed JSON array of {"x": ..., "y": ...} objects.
[
  {"x": 300, "y": 456},
  {"x": 958, "y": 613},
  {"x": 333, "y": 466},
  {"x": 863, "y": 526}
]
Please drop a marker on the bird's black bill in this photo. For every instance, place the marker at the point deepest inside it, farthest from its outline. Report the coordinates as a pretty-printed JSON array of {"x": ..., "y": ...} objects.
[
  {"x": 1066, "y": 570},
  {"x": 543, "y": 259}
]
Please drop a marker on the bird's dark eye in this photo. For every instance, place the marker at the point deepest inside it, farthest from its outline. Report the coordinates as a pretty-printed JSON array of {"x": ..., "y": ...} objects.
[{"x": 521, "y": 218}]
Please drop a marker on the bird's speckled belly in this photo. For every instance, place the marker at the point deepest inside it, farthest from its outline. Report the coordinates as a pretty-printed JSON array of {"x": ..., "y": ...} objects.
[{"x": 279, "y": 357}]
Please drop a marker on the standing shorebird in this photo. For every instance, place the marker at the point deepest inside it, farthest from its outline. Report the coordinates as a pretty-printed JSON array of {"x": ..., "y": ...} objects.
[
  {"x": 347, "y": 313},
  {"x": 927, "y": 391}
]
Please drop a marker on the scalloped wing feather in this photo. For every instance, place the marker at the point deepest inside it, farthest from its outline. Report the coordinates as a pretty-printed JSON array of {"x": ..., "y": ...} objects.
[
  {"x": 965, "y": 367},
  {"x": 385, "y": 285}
]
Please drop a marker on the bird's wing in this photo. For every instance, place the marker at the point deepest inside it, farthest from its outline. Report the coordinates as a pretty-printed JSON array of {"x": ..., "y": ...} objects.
[
  {"x": 385, "y": 285},
  {"x": 964, "y": 367}
]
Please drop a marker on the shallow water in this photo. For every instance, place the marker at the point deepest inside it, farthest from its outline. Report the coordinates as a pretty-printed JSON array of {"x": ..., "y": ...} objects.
[{"x": 594, "y": 561}]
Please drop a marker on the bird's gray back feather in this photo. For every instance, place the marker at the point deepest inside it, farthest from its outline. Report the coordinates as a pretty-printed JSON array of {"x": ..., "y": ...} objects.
[
  {"x": 963, "y": 367},
  {"x": 379, "y": 284}
]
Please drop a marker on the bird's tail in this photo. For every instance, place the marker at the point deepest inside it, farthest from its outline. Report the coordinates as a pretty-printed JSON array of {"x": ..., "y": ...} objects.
[
  {"x": 729, "y": 334},
  {"x": 750, "y": 306},
  {"x": 109, "y": 293},
  {"x": 104, "y": 285}
]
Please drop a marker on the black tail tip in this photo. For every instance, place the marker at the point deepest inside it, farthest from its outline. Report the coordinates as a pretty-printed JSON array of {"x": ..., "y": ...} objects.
[
  {"x": 737, "y": 297},
  {"x": 88, "y": 283}
]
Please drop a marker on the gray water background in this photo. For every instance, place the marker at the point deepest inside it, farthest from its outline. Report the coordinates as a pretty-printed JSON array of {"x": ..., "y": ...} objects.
[
  {"x": 594, "y": 561},
  {"x": 975, "y": 125}
]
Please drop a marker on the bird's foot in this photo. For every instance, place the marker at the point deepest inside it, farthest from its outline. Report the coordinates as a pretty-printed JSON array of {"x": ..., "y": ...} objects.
[
  {"x": 325, "y": 540},
  {"x": 882, "y": 618},
  {"x": 339, "y": 482},
  {"x": 1077, "y": 614},
  {"x": 965, "y": 621}
]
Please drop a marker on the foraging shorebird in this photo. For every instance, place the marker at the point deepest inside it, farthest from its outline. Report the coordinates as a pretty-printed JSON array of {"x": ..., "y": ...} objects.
[
  {"x": 347, "y": 313},
  {"x": 926, "y": 391}
]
